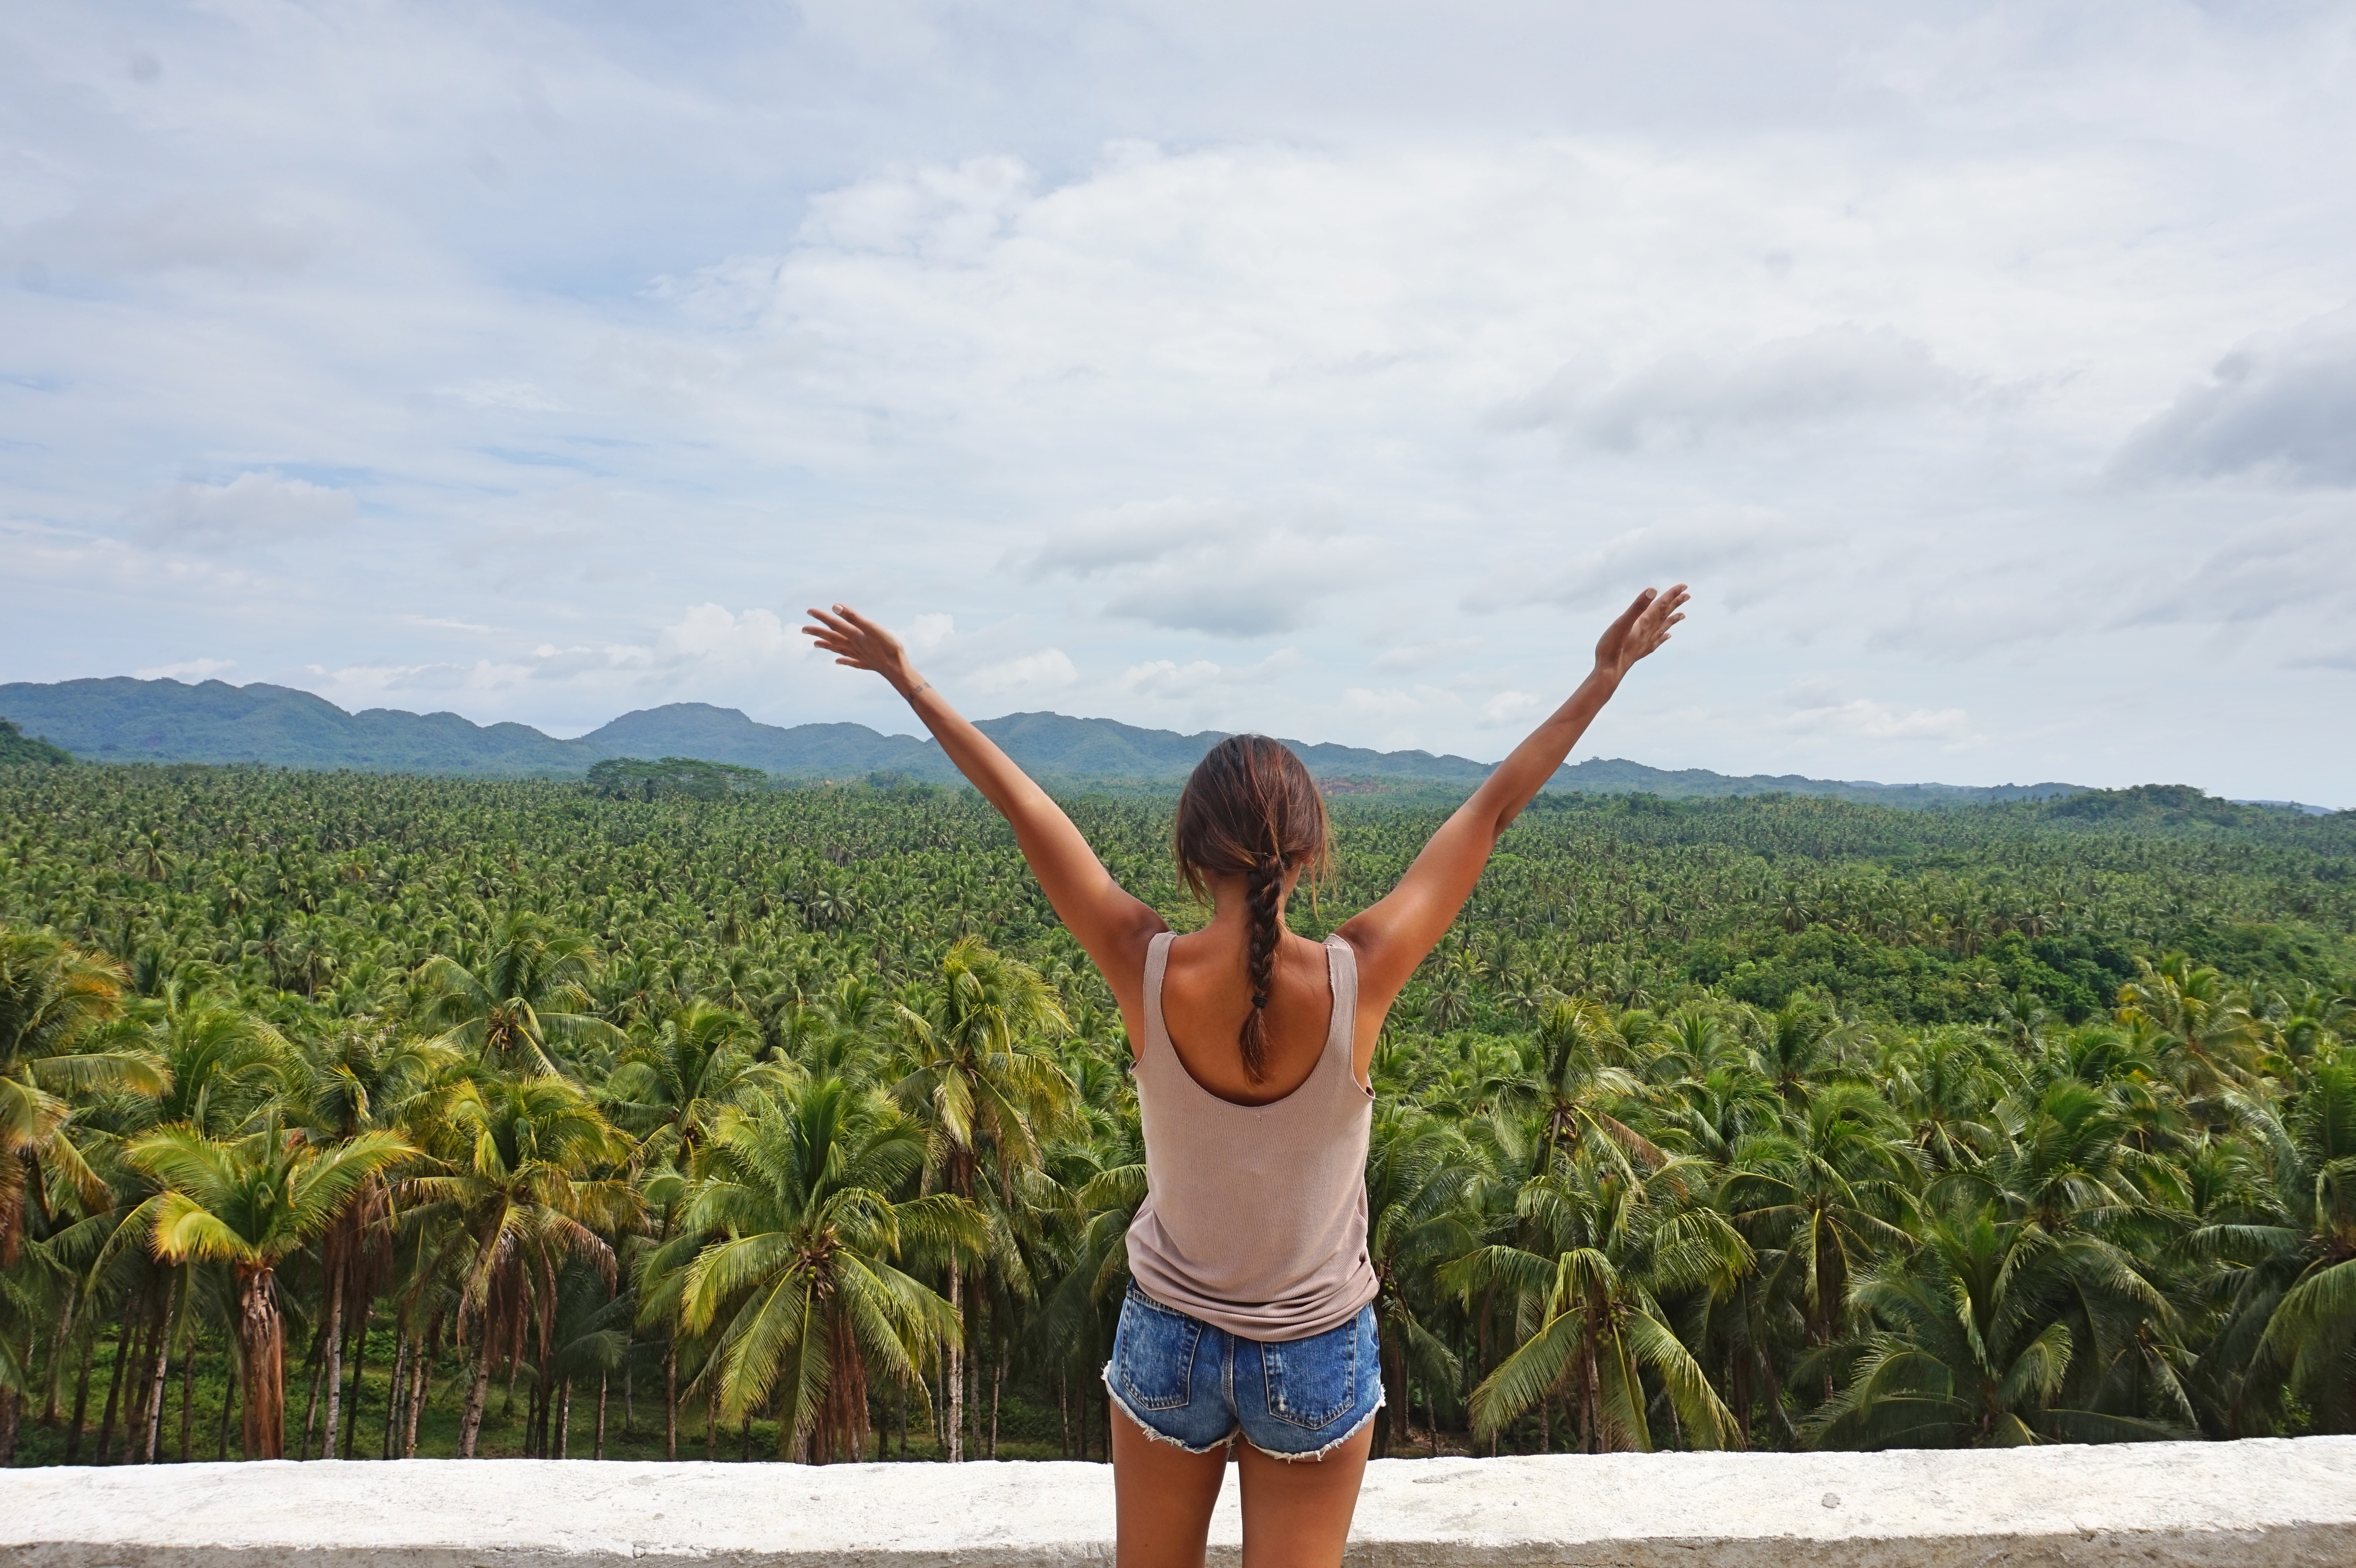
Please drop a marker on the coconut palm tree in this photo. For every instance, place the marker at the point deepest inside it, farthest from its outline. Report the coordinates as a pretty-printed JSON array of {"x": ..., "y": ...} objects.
[
  {"x": 1417, "y": 1169},
  {"x": 1969, "y": 1346},
  {"x": 1828, "y": 1194},
  {"x": 528, "y": 1178},
  {"x": 669, "y": 1085},
  {"x": 796, "y": 1240},
  {"x": 974, "y": 1072},
  {"x": 526, "y": 993},
  {"x": 1601, "y": 1250},
  {"x": 248, "y": 1202},
  {"x": 2292, "y": 1321},
  {"x": 53, "y": 999}
]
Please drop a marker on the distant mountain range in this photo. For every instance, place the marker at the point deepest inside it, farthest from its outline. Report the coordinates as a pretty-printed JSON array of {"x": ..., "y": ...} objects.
[{"x": 126, "y": 721}]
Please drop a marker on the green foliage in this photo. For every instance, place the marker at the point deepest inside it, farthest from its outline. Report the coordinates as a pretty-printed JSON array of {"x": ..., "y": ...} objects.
[
  {"x": 626, "y": 778},
  {"x": 16, "y": 747},
  {"x": 794, "y": 1114}
]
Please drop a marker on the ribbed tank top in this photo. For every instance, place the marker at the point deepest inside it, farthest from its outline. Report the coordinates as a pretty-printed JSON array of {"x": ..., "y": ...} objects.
[{"x": 1255, "y": 1216}]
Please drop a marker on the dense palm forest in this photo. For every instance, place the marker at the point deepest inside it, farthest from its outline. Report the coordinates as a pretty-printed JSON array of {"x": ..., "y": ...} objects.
[{"x": 366, "y": 1116}]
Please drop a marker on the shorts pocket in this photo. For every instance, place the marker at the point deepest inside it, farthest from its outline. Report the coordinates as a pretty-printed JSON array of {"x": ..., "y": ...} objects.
[
  {"x": 1313, "y": 1382},
  {"x": 1154, "y": 1354}
]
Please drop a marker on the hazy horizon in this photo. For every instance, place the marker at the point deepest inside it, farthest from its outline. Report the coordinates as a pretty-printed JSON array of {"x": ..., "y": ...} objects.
[{"x": 1989, "y": 370}]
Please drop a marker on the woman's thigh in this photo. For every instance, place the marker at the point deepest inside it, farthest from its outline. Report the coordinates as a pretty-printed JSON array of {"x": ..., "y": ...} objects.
[
  {"x": 1296, "y": 1511},
  {"x": 1163, "y": 1498}
]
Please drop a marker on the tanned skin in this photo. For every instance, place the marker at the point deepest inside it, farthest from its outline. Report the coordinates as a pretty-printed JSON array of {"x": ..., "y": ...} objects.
[{"x": 1296, "y": 1513}]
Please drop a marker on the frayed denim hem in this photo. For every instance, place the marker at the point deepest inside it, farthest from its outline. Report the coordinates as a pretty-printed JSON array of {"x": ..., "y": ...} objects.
[
  {"x": 1355, "y": 1427},
  {"x": 1147, "y": 1427}
]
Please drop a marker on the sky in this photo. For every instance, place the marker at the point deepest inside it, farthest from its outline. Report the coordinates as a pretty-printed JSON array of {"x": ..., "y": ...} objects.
[{"x": 1330, "y": 369}]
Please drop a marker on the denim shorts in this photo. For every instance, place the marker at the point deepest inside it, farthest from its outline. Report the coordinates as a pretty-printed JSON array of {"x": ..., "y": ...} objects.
[{"x": 1187, "y": 1382}]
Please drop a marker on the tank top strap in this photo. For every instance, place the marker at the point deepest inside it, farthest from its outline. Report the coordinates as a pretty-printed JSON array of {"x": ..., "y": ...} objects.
[
  {"x": 1342, "y": 974},
  {"x": 1157, "y": 965}
]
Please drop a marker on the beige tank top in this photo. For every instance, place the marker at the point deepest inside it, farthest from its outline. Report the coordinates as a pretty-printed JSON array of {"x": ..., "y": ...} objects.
[{"x": 1255, "y": 1216}]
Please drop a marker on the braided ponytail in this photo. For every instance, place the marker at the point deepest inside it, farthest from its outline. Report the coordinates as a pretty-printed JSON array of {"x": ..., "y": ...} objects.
[
  {"x": 1263, "y": 895},
  {"x": 1251, "y": 810}
]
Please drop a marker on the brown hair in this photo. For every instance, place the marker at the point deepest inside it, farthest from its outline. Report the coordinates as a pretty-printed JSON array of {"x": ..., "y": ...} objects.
[{"x": 1251, "y": 810}]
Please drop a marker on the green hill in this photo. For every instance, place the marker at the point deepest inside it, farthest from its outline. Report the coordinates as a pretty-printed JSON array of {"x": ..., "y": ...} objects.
[
  {"x": 15, "y": 746},
  {"x": 122, "y": 720}
]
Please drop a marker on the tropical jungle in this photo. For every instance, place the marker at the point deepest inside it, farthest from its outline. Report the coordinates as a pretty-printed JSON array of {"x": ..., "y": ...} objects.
[{"x": 672, "y": 1115}]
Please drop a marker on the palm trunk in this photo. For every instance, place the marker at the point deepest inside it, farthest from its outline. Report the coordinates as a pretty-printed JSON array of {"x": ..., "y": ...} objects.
[
  {"x": 187, "y": 1401},
  {"x": 564, "y": 1420},
  {"x": 81, "y": 1398},
  {"x": 332, "y": 1327},
  {"x": 115, "y": 1390},
  {"x": 478, "y": 1388},
  {"x": 228, "y": 1402},
  {"x": 261, "y": 1345},
  {"x": 359, "y": 1364},
  {"x": 955, "y": 1449},
  {"x": 396, "y": 1389},
  {"x": 135, "y": 1384},
  {"x": 55, "y": 1381},
  {"x": 422, "y": 1385},
  {"x": 158, "y": 1378},
  {"x": 311, "y": 1405},
  {"x": 670, "y": 1400},
  {"x": 597, "y": 1448}
]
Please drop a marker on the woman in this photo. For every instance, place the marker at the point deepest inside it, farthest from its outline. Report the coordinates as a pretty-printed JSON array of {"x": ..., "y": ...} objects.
[{"x": 1250, "y": 1314}]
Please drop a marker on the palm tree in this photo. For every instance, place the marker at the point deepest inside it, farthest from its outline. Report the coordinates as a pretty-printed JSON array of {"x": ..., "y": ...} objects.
[
  {"x": 973, "y": 1074},
  {"x": 53, "y": 997},
  {"x": 795, "y": 1237},
  {"x": 248, "y": 1202},
  {"x": 358, "y": 1079},
  {"x": 1417, "y": 1169},
  {"x": 1565, "y": 1081},
  {"x": 667, "y": 1088},
  {"x": 2293, "y": 1313},
  {"x": 2201, "y": 1015},
  {"x": 1970, "y": 1347},
  {"x": 1587, "y": 1284},
  {"x": 527, "y": 1177},
  {"x": 1827, "y": 1194},
  {"x": 527, "y": 991}
]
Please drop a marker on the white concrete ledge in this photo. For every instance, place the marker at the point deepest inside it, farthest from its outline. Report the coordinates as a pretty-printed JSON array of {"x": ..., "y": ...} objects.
[{"x": 2214, "y": 1505}]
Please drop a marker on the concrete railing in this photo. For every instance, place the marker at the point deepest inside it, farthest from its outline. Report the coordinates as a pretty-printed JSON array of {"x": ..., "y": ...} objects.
[{"x": 2221, "y": 1505}]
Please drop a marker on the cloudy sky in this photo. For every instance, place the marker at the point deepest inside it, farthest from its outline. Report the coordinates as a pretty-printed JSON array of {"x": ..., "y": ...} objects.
[{"x": 1327, "y": 368}]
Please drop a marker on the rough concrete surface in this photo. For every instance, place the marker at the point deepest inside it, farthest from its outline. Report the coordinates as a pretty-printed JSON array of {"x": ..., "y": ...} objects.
[{"x": 2218, "y": 1505}]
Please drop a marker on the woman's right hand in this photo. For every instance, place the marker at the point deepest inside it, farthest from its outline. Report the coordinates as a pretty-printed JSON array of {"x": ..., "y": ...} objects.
[
  {"x": 856, "y": 641},
  {"x": 1641, "y": 628}
]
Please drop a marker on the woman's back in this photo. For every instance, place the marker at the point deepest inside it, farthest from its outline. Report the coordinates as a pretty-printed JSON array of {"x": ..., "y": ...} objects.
[{"x": 1255, "y": 1216}]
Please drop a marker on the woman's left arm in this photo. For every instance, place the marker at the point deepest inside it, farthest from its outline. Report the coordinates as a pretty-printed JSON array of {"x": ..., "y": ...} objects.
[{"x": 1110, "y": 922}]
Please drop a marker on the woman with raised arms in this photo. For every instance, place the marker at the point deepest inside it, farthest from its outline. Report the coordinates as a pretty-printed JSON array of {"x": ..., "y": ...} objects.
[{"x": 1250, "y": 1308}]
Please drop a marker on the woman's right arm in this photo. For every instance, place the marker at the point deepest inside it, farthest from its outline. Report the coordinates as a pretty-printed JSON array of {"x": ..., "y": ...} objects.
[
  {"x": 1393, "y": 936},
  {"x": 1110, "y": 923}
]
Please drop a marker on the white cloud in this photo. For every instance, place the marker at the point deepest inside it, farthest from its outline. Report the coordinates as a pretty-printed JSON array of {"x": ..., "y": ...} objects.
[
  {"x": 252, "y": 510},
  {"x": 1047, "y": 670},
  {"x": 1838, "y": 372},
  {"x": 184, "y": 669},
  {"x": 1842, "y": 313},
  {"x": 1201, "y": 677},
  {"x": 1734, "y": 559},
  {"x": 2280, "y": 407},
  {"x": 1816, "y": 711},
  {"x": 1513, "y": 710},
  {"x": 712, "y": 631},
  {"x": 1422, "y": 655},
  {"x": 930, "y": 630}
]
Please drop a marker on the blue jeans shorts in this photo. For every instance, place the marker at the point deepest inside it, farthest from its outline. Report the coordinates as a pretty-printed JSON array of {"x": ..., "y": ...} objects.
[{"x": 1188, "y": 1384}]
